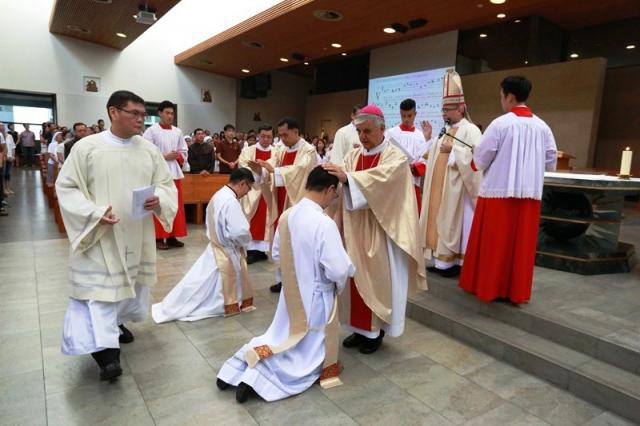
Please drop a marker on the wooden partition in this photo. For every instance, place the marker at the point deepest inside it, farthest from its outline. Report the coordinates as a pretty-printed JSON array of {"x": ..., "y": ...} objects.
[{"x": 198, "y": 189}]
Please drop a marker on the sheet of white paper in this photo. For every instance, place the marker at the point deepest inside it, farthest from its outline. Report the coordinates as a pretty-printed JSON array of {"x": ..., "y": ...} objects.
[{"x": 139, "y": 195}]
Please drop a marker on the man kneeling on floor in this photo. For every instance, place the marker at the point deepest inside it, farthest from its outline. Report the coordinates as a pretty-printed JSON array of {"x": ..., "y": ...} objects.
[{"x": 301, "y": 344}]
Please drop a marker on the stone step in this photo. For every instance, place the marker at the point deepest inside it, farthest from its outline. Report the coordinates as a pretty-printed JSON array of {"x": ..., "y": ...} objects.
[
  {"x": 567, "y": 331},
  {"x": 600, "y": 383}
]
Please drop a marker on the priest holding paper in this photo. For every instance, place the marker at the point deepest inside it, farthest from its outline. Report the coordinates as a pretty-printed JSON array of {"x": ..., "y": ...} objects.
[
  {"x": 218, "y": 283},
  {"x": 451, "y": 186},
  {"x": 112, "y": 258},
  {"x": 515, "y": 151},
  {"x": 380, "y": 228},
  {"x": 301, "y": 344},
  {"x": 258, "y": 204}
]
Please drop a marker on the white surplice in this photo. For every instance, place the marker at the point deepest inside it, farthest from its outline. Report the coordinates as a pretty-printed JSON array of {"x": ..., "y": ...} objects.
[
  {"x": 199, "y": 294},
  {"x": 321, "y": 267}
]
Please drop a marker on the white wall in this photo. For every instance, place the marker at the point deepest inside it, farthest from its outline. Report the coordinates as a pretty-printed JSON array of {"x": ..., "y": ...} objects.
[
  {"x": 39, "y": 61},
  {"x": 287, "y": 98},
  {"x": 437, "y": 51}
]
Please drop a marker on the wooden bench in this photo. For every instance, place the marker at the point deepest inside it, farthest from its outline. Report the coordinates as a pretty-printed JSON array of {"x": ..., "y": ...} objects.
[{"x": 197, "y": 190}]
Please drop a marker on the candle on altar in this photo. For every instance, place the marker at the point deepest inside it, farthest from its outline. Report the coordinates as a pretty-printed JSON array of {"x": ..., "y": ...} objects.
[{"x": 625, "y": 165}]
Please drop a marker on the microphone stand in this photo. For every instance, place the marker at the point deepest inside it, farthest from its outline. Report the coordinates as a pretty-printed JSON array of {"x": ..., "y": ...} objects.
[{"x": 462, "y": 142}]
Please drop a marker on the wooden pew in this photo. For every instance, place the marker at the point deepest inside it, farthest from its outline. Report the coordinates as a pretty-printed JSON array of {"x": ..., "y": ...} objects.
[
  {"x": 197, "y": 190},
  {"x": 56, "y": 207}
]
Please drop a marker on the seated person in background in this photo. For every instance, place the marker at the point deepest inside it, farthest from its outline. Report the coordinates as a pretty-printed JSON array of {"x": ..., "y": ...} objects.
[{"x": 201, "y": 155}]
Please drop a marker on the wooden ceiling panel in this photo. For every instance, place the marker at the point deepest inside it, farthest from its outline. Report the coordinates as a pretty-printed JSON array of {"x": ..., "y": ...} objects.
[
  {"x": 290, "y": 27},
  {"x": 99, "y": 21}
]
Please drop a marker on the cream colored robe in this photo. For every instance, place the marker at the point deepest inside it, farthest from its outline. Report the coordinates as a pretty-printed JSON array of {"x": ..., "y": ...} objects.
[
  {"x": 458, "y": 194},
  {"x": 380, "y": 235},
  {"x": 250, "y": 201},
  {"x": 107, "y": 261}
]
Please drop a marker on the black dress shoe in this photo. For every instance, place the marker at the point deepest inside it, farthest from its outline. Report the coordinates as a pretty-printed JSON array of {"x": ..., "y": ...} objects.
[
  {"x": 126, "y": 336},
  {"x": 276, "y": 288},
  {"x": 434, "y": 269},
  {"x": 173, "y": 242},
  {"x": 161, "y": 245},
  {"x": 452, "y": 272},
  {"x": 369, "y": 346},
  {"x": 222, "y": 385},
  {"x": 111, "y": 371},
  {"x": 242, "y": 392},
  {"x": 251, "y": 257},
  {"x": 353, "y": 341},
  {"x": 260, "y": 256}
]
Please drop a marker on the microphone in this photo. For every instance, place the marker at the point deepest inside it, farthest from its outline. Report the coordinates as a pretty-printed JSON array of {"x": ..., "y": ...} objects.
[{"x": 442, "y": 132}]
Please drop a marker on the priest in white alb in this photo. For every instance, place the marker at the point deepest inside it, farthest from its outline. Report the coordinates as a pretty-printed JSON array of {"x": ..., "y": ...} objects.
[
  {"x": 286, "y": 172},
  {"x": 451, "y": 186},
  {"x": 258, "y": 204},
  {"x": 515, "y": 151},
  {"x": 112, "y": 255},
  {"x": 412, "y": 142},
  {"x": 301, "y": 344},
  {"x": 380, "y": 229},
  {"x": 345, "y": 139},
  {"x": 218, "y": 283}
]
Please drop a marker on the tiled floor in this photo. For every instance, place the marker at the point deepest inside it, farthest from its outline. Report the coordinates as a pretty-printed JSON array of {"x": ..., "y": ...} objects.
[{"x": 423, "y": 377}]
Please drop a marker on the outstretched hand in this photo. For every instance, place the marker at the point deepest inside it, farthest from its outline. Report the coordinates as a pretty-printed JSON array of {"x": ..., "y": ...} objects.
[{"x": 427, "y": 129}]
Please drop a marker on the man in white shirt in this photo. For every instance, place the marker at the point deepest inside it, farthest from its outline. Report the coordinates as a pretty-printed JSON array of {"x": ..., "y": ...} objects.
[
  {"x": 346, "y": 139},
  {"x": 514, "y": 153},
  {"x": 170, "y": 140}
]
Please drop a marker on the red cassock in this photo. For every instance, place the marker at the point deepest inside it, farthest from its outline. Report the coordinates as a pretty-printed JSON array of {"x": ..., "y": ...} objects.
[
  {"x": 501, "y": 250},
  {"x": 259, "y": 220},
  {"x": 288, "y": 160},
  {"x": 361, "y": 315},
  {"x": 419, "y": 169},
  {"x": 179, "y": 223}
]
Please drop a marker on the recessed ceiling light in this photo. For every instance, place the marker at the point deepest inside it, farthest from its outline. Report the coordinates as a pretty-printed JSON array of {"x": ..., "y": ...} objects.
[
  {"x": 574, "y": 55},
  {"x": 284, "y": 59},
  {"x": 306, "y": 63},
  {"x": 483, "y": 35},
  {"x": 501, "y": 16},
  {"x": 135, "y": 16},
  {"x": 631, "y": 46},
  {"x": 121, "y": 35},
  {"x": 526, "y": 62},
  {"x": 244, "y": 70},
  {"x": 517, "y": 21},
  {"x": 497, "y": 1},
  {"x": 336, "y": 45},
  {"x": 389, "y": 30},
  {"x": 343, "y": 54}
]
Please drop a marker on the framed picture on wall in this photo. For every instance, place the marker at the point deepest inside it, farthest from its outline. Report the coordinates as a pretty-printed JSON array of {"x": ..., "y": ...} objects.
[
  {"x": 206, "y": 96},
  {"x": 91, "y": 84}
]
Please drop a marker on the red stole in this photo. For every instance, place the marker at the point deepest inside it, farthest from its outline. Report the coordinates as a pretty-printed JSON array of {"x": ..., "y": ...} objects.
[
  {"x": 259, "y": 219},
  {"x": 361, "y": 315}
]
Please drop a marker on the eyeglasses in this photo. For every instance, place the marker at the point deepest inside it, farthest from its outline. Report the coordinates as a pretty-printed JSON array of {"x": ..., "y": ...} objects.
[
  {"x": 137, "y": 114},
  {"x": 449, "y": 109}
]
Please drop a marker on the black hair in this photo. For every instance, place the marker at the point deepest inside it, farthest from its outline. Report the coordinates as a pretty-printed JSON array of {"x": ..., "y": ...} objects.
[
  {"x": 518, "y": 86},
  {"x": 166, "y": 104},
  {"x": 407, "y": 105},
  {"x": 197, "y": 130},
  {"x": 78, "y": 124},
  {"x": 240, "y": 174},
  {"x": 290, "y": 122},
  {"x": 266, "y": 128},
  {"x": 319, "y": 179},
  {"x": 229, "y": 126},
  {"x": 120, "y": 98}
]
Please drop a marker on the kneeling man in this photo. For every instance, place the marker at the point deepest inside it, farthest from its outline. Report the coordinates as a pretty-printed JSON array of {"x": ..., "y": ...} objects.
[{"x": 301, "y": 345}]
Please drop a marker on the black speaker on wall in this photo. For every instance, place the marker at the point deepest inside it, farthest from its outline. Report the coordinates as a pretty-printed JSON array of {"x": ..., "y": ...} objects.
[{"x": 256, "y": 86}]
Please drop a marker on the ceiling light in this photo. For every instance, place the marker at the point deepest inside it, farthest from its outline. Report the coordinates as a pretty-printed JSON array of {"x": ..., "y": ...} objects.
[
  {"x": 497, "y": 1},
  {"x": 389, "y": 30},
  {"x": 336, "y": 45},
  {"x": 574, "y": 55},
  {"x": 306, "y": 63},
  {"x": 483, "y": 35},
  {"x": 284, "y": 59},
  {"x": 135, "y": 16},
  {"x": 244, "y": 70},
  {"x": 121, "y": 35},
  {"x": 501, "y": 16},
  {"x": 526, "y": 62},
  {"x": 343, "y": 54},
  {"x": 517, "y": 21},
  {"x": 631, "y": 46}
]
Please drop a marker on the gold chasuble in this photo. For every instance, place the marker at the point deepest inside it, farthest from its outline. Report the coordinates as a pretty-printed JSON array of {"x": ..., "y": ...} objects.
[
  {"x": 259, "y": 198},
  {"x": 385, "y": 182},
  {"x": 448, "y": 176},
  {"x": 228, "y": 273}
]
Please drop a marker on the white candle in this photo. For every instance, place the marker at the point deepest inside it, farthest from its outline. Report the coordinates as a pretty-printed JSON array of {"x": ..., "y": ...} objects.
[{"x": 625, "y": 166}]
